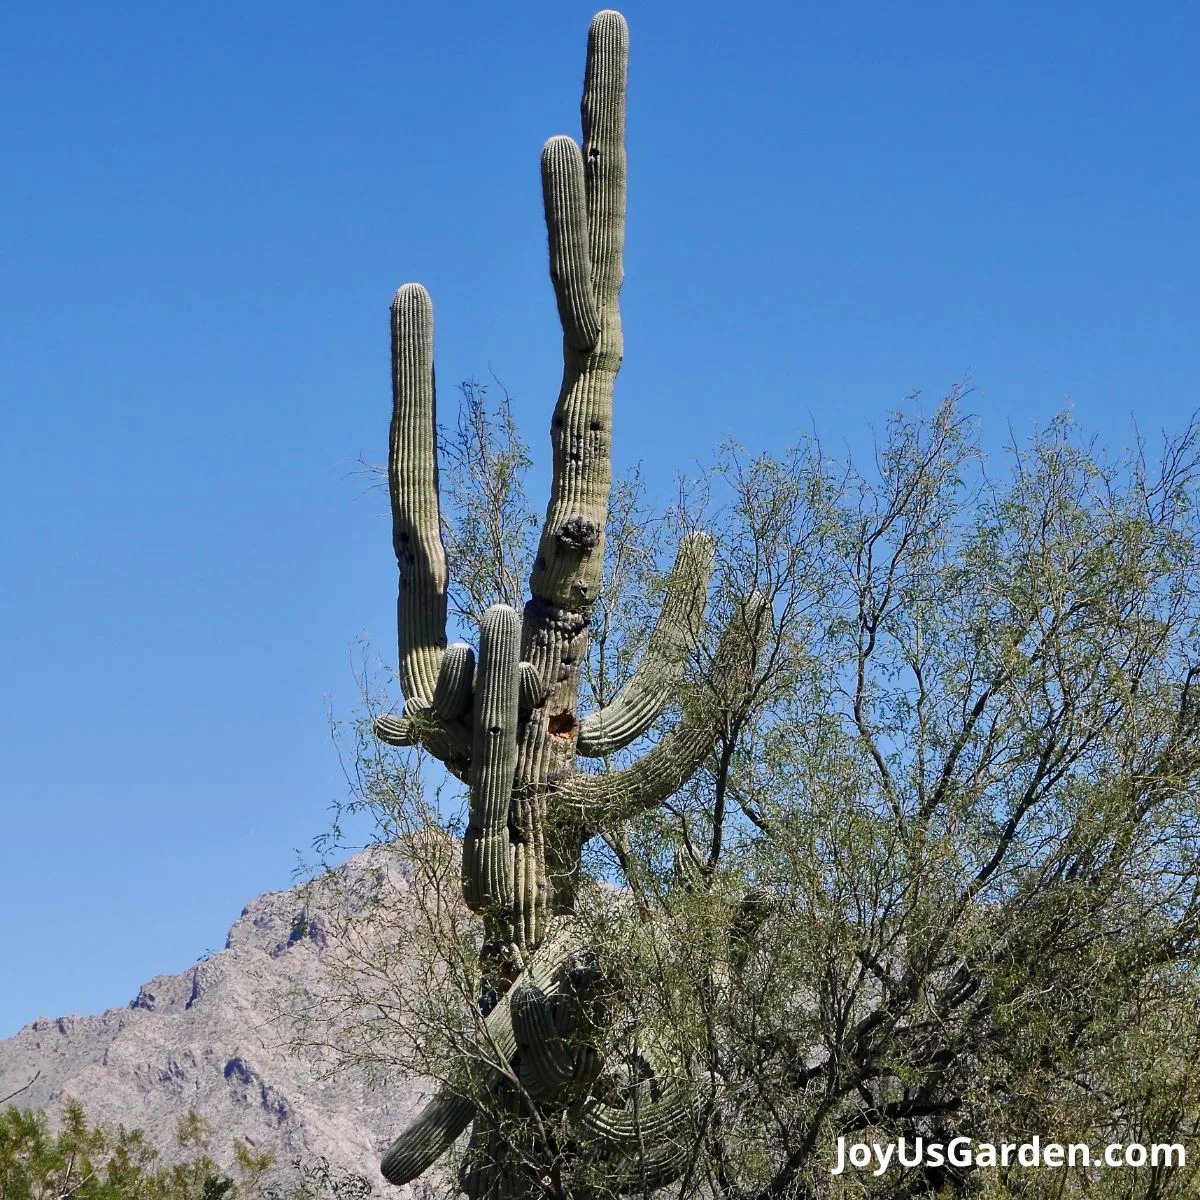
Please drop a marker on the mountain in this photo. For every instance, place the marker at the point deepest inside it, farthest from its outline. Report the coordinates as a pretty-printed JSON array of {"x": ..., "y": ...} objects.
[{"x": 209, "y": 1039}]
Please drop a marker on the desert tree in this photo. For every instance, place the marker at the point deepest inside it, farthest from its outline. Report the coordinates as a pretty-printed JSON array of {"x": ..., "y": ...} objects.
[{"x": 937, "y": 876}]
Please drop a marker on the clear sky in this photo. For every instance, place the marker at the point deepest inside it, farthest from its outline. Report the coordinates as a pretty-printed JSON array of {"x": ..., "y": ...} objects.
[{"x": 205, "y": 211}]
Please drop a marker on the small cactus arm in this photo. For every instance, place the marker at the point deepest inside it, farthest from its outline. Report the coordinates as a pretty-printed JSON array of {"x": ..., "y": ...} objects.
[
  {"x": 508, "y": 723},
  {"x": 644, "y": 697}
]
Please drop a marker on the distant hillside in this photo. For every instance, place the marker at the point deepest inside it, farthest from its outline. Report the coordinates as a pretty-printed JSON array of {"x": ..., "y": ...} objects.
[{"x": 202, "y": 1040}]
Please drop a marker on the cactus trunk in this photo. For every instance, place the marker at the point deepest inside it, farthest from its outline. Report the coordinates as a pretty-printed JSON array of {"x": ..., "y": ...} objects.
[{"x": 509, "y": 723}]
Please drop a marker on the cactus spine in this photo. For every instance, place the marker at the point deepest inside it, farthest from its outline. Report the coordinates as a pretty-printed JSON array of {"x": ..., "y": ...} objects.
[{"x": 509, "y": 724}]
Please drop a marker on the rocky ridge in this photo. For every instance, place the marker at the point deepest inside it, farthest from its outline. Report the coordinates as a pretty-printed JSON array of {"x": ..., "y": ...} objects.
[{"x": 206, "y": 1040}]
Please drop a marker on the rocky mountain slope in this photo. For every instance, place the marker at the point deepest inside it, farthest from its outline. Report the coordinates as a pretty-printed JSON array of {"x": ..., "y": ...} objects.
[{"x": 208, "y": 1040}]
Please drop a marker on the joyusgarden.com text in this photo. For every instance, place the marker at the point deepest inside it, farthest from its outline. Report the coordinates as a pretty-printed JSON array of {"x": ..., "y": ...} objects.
[{"x": 907, "y": 1153}]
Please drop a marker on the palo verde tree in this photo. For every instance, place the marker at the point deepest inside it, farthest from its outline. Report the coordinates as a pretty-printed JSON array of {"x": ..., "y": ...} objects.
[{"x": 509, "y": 723}]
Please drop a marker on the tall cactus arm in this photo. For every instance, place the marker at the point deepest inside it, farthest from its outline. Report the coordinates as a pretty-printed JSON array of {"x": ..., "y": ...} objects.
[
  {"x": 445, "y": 1117},
  {"x": 564, "y": 196},
  {"x": 413, "y": 485},
  {"x": 570, "y": 558},
  {"x": 603, "y": 116},
  {"x": 595, "y": 803},
  {"x": 644, "y": 697},
  {"x": 487, "y": 868}
]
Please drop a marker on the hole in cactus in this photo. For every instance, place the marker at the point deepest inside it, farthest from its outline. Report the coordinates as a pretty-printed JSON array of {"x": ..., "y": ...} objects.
[
  {"x": 562, "y": 725},
  {"x": 577, "y": 533},
  {"x": 595, "y": 426}
]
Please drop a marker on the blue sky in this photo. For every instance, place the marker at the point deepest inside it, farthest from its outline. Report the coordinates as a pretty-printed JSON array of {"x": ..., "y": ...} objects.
[{"x": 206, "y": 211}]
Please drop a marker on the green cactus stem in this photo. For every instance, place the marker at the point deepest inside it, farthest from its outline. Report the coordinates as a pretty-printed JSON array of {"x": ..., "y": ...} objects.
[
  {"x": 487, "y": 864},
  {"x": 642, "y": 701},
  {"x": 428, "y": 1137},
  {"x": 396, "y": 731},
  {"x": 598, "y": 802},
  {"x": 648, "y": 1122},
  {"x": 570, "y": 557},
  {"x": 565, "y": 200},
  {"x": 456, "y": 677},
  {"x": 412, "y": 479},
  {"x": 533, "y": 692},
  {"x": 449, "y": 741},
  {"x": 649, "y": 1169},
  {"x": 547, "y": 1065}
]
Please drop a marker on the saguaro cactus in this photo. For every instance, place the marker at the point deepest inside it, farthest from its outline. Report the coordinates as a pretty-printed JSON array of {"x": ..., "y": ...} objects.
[{"x": 509, "y": 723}]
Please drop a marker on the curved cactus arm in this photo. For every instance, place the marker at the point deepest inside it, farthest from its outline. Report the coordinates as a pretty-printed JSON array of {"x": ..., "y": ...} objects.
[
  {"x": 487, "y": 866},
  {"x": 445, "y": 1117},
  {"x": 413, "y": 485},
  {"x": 598, "y": 802},
  {"x": 435, "y": 1130},
  {"x": 642, "y": 700},
  {"x": 549, "y": 970},
  {"x": 650, "y": 1169},
  {"x": 570, "y": 558},
  {"x": 396, "y": 730},
  {"x": 448, "y": 741},
  {"x": 647, "y": 1123},
  {"x": 547, "y": 1066},
  {"x": 456, "y": 677}
]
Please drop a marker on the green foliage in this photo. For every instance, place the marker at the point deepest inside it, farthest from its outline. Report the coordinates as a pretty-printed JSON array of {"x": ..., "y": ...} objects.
[
  {"x": 964, "y": 812},
  {"x": 88, "y": 1162},
  {"x": 491, "y": 536},
  {"x": 941, "y": 877},
  {"x": 320, "y": 1181}
]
